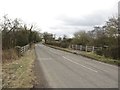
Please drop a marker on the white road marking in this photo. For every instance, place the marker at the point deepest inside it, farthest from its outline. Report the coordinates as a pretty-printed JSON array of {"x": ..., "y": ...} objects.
[
  {"x": 79, "y": 64},
  {"x": 108, "y": 64},
  {"x": 93, "y": 65}
]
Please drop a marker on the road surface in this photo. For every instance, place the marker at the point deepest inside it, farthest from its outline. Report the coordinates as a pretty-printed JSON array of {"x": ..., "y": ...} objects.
[{"x": 66, "y": 70}]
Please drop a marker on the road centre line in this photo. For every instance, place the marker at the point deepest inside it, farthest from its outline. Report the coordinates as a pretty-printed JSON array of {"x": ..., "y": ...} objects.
[
  {"x": 75, "y": 62},
  {"x": 93, "y": 65},
  {"x": 79, "y": 64},
  {"x": 90, "y": 63}
]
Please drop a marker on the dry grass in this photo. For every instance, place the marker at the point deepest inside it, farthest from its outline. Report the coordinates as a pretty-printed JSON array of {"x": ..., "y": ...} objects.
[
  {"x": 9, "y": 55},
  {"x": 19, "y": 74}
]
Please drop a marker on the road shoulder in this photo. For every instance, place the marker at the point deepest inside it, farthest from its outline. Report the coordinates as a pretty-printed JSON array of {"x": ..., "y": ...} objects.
[{"x": 40, "y": 80}]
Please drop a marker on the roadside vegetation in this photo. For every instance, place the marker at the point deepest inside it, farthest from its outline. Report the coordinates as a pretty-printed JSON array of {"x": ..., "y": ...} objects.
[
  {"x": 19, "y": 73},
  {"x": 16, "y": 33},
  {"x": 17, "y": 70},
  {"x": 90, "y": 55},
  {"x": 107, "y": 37},
  {"x": 100, "y": 58}
]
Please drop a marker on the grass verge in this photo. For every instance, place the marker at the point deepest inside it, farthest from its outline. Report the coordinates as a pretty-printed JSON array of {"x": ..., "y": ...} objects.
[
  {"x": 89, "y": 55},
  {"x": 9, "y": 55},
  {"x": 19, "y": 74},
  {"x": 100, "y": 58}
]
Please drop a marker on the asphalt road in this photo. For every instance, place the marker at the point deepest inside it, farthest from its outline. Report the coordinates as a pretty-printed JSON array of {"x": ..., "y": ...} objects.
[{"x": 67, "y": 70}]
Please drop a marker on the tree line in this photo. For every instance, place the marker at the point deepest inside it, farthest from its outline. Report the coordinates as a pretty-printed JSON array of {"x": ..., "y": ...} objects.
[
  {"x": 105, "y": 36},
  {"x": 17, "y": 33}
]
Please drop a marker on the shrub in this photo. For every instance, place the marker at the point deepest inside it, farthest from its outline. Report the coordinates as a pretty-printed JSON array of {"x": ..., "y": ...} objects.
[{"x": 99, "y": 52}]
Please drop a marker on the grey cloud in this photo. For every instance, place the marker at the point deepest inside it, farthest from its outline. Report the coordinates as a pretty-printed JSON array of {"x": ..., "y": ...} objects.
[
  {"x": 119, "y": 9},
  {"x": 70, "y": 25},
  {"x": 67, "y": 30},
  {"x": 97, "y": 18}
]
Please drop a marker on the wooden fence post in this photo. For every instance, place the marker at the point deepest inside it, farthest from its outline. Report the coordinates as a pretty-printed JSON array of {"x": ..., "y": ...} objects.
[
  {"x": 76, "y": 47},
  {"x": 80, "y": 47},
  {"x": 72, "y": 46},
  {"x": 86, "y": 48},
  {"x": 93, "y": 49}
]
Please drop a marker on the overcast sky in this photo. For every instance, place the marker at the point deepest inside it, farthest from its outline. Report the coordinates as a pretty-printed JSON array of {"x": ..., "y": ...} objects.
[{"x": 60, "y": 16}]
